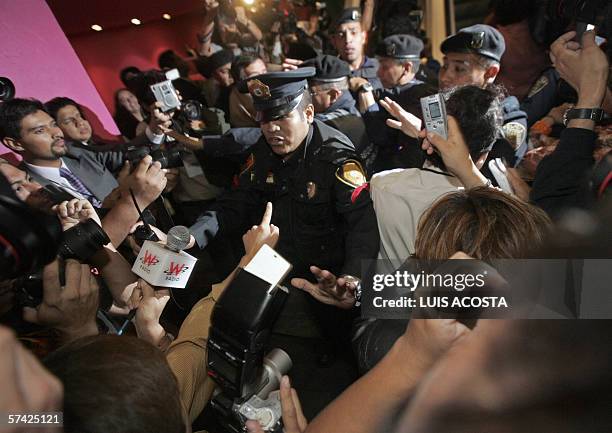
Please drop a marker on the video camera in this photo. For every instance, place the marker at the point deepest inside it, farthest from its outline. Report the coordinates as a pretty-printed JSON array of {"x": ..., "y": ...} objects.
[{"x": 241, "y": 323}]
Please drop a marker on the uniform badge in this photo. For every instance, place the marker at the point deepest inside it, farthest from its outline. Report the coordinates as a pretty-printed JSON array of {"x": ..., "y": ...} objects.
[
  {"x": 351, "y": 173},
  {"x": 539, "y": 85},
  {"x": 311, "y": 189},
  {"x": 515, "y": 133},
  {"x": 270, "y": 177},
  {"x": 477, "y": 40},
  {"x": 259, "y": 89},
  {"x": 391, "y": 50}
]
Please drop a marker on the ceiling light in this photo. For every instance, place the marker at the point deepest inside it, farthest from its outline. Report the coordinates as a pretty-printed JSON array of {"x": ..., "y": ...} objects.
[
  {"x": 96, "y": 27},
  {"x": 248, "y": 2},
  {"x": 135, "y": 21},
  {"x": 166, "y": 16}
]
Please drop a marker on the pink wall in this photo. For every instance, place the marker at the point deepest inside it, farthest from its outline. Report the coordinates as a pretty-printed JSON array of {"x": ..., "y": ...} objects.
[
  {"x": 105, "y": 53},
  {"x": 36, "y": 55}
]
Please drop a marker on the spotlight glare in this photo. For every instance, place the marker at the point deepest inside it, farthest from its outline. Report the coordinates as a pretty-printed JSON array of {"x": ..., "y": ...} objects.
[
  {"x": 96, "y": 27},
  {"x": 135, "y": 21},
  {"x": 166, "y": 16},
  {"x": 248, "y": 2}
]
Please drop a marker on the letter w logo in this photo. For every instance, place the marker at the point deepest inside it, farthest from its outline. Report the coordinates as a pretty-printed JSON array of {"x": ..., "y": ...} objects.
[
  {"x": 175, "y": 269},
  {"x": 149, "y": 259}
]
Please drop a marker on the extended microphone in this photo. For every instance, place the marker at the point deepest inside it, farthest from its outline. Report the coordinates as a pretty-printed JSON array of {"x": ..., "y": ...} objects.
[
  {"x": 178, "y": 238},
  {"x": 166, "y": 265}
]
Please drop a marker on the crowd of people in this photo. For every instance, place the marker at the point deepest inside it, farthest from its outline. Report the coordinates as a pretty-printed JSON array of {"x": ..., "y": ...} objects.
[{"x": 310, "y": 138}]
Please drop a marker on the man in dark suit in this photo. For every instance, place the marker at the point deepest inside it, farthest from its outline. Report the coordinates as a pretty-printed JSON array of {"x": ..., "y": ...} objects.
[{"x": 27, "y": 129}]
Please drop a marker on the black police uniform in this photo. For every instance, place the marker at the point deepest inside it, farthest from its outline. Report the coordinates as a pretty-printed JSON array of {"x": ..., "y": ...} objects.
[
  {"x": 549, "y": 91},
  {"x": 486, "y": 41},
  {"x": 325, "y": 217},
  {"x": 395, "y": 149},
  {"x": 343, "y": 114}
]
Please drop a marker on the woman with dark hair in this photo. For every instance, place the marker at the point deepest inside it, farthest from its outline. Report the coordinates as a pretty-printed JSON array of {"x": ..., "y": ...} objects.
[{"x": 128, "y": 113}]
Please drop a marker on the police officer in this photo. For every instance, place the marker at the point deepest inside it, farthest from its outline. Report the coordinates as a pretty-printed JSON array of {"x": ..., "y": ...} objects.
[
  {"x": 399, "y": 57},
  {"x": 334, "y": 104},
  {"x": 472, "y": 56},
  {"x": 349, "y": 39},
  {"x": 313, "y": 177}
]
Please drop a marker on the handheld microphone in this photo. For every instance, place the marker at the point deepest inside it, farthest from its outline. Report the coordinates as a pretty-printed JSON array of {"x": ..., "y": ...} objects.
[{"x": 166, "y": 265}]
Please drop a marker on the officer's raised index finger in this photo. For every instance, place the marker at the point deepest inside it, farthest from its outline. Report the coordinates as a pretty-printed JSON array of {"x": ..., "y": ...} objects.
[{"x": 267, "y": 216}]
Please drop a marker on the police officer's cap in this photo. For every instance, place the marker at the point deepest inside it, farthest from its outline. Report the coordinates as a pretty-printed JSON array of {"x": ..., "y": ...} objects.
[
  {"x": 479, "y": 39},
  {"x": 349, "y": 15},
  {"x": 400, "y": 47},
  {"x": 276, "y": 94},
  {"x": 328, "y": 69}
]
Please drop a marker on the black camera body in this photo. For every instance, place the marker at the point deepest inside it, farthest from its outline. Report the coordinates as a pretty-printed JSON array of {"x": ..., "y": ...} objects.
[
  {"x": 240, "y": 327},
  {"x": 168, "y": 158},
  {"x": 80, "y": 242}
]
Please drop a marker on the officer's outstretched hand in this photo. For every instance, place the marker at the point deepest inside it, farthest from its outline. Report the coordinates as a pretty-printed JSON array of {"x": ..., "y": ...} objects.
[
  {"x": 406, "y": 122},
  {"x": 329, "y": 289}
]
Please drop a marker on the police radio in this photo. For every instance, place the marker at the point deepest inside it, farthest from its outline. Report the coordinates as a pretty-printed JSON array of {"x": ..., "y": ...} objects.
[{"x": 434, "y": 114}]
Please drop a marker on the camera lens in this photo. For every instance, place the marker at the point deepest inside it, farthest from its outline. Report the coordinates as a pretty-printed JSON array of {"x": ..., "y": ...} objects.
[
  {"x": 28, "y": 237},
  {"x": 192, "y": 110},
  {"x": 83, "y": 240}
]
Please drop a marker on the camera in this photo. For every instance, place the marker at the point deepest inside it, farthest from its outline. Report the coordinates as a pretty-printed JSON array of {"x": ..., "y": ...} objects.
[
  {"x": 434, "y": 114},
  {"x": 240, "y": 326},
  {"x": 168, "y": 158},
  {"x": 165, "y": 92},
  {"x": 83, "y": 240},
  {"x": 29, "y": 237},
  {"x": 80, "y": 242}
]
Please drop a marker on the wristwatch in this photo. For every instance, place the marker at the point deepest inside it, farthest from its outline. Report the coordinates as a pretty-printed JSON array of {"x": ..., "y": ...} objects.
[
  {"x": 365, "y": 87},
  {"x": 594, "y": 114}
]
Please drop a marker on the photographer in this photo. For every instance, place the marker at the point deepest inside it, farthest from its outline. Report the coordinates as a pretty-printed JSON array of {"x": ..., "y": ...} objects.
[
  {"x": 177, "y": 387},
  {"x": 216, "y": 70}
]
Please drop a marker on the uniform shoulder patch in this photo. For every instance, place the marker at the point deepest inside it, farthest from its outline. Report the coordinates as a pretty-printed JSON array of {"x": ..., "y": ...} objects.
[
  {"x": 351, "y": 173},
  {"x": 515, "y": 133},
  {"x": 538, "y": 86}
]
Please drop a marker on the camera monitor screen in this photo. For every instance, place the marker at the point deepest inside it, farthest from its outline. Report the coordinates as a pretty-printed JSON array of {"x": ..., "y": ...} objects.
[{"x": 434, "y": 110}]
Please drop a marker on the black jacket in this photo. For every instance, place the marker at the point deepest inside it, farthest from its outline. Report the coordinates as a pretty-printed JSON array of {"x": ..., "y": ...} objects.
[
  {"x": 560, "y": 179},
  {"x": 322, "y": 220}
]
